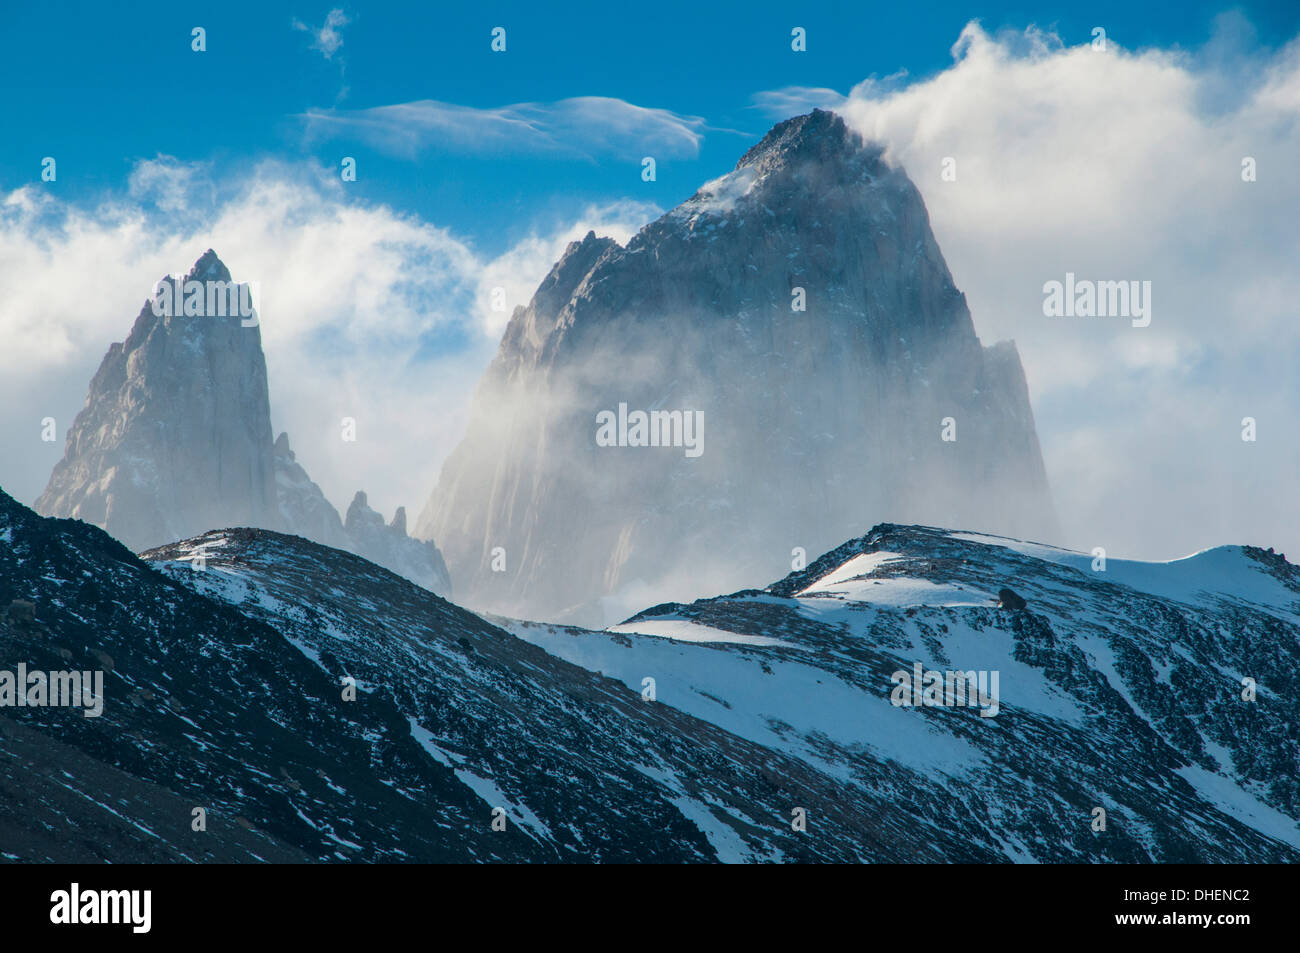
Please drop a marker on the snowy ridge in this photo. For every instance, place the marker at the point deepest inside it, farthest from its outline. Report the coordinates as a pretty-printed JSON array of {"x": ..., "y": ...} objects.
[
  {"x": 687, "y": 733},
  {"x": 1095, "y": 660}
]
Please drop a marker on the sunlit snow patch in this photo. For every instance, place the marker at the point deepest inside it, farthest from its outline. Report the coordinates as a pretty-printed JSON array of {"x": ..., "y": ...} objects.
[
  {"x": 1226, "y": 795},
  {"x": 684, "y": 630},
  {"x": 485, "y": 788},
  {"x": 1222, "y": 572},
  {"x": 719, "y": 196},
  {"x": 854, "y": 582}
]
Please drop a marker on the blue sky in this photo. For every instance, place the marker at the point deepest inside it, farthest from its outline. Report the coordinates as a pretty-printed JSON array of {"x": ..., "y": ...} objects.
[{"x": 101, "y": 86}]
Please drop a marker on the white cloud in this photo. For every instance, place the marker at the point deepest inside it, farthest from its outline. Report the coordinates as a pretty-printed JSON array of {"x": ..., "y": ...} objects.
[
  {"x": 584, "y": 126},
  {"x": 519, "y": 270},
  {"x": 168, "y": 184},
  {"x": 795, "y": 100},
  {"x": 1124, "y": 165},
  {"x": 327, "y": 39},
  {"x": 364, "y": 314}
]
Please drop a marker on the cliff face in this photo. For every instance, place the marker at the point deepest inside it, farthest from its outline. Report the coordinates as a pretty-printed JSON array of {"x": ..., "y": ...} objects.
[
  {"x": 388, "y": 545},
  {"x": 175, "y": 435},
  {"x": 813, "y": 421},
  {"x": 175, "y": 439}
]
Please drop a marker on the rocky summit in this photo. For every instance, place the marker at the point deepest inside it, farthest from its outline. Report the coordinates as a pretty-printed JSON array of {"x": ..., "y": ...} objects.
[
  {"x": 783, "y": 355},
  {"x": 175, "y": 438},
  {"x": 175, "y": 435}
]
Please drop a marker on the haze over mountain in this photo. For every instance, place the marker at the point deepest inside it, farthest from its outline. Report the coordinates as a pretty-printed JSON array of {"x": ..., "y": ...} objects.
[
  {"x": 175, "y": 438},
  {"x": 807, "y": 421}
]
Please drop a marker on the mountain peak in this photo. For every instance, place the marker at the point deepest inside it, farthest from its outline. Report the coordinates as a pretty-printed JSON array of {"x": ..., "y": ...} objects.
[
  {"x": 359, "y": 513},
  {"x": 209, "y": 267},
  {"x": 573, "y": 265},
  {"x": 813, "y": 262},
  {"x": 819, "y": 135},
  {"x": 812, "y": 166}
]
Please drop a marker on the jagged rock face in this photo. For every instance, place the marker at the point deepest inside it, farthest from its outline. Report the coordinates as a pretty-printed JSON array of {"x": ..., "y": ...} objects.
[
  {"x": 175, "y": 436},
  {"x": 304, "y": 510},
  {"x": 175, "y": 439},
  {"x": 812, "y": 420},
  {"x": 390, "y": 547}
]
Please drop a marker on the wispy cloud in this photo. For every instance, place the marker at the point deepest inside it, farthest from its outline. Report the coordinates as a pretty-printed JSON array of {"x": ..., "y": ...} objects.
[
  {"x": 327, "y": 39},
  {"x": 584, "y": 127},
  {"x": 168, "y": 184},
  {"x": 794, "y": 100}
]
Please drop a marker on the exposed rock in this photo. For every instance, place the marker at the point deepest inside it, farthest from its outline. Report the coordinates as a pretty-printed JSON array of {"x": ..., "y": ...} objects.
[
  {"x": 390, "y": 547},
  {"x": 21, "y": 612},
  {"x": 304, "y": 510},
  {"x": 1007, "y": 599},
  {"x": 175, "y": 439},
  {"x": 812, "y": 420},
  {"x": 175, "y": 435}
]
